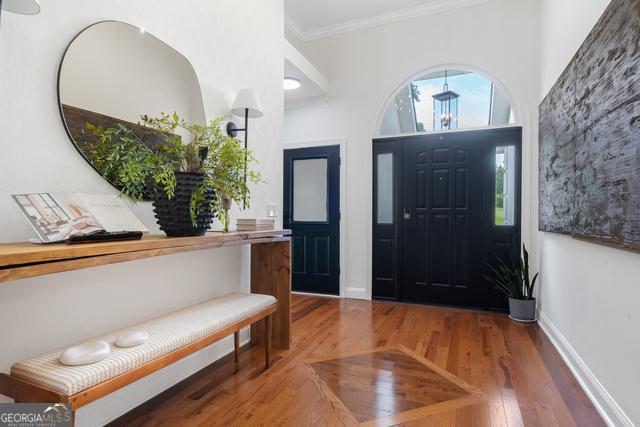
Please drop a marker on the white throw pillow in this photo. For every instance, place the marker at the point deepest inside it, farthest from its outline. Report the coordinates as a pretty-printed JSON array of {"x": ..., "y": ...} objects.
[{"x": 86, "y": 353}]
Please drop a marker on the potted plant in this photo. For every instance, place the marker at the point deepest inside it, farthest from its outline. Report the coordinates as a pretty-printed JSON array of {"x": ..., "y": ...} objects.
[
  {"x": 190, "y": 183},
  {"x": 512, "y": 277}
]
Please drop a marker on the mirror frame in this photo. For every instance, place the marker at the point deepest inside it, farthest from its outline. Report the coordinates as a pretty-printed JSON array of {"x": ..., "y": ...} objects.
[{"x": 64, "y": 55}]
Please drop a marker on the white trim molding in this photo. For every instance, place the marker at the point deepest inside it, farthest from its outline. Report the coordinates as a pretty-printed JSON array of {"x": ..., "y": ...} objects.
[
  {"x": 295, "y": 57},
  {"x": 357, "y": 293},
  {"x": 293, "y": 26},
  {"x": 342, "y": 142},
  {"x": 604, "y": 403},
  {"x": 434, "y": 6},
  {"x": 311, "y": 294}
]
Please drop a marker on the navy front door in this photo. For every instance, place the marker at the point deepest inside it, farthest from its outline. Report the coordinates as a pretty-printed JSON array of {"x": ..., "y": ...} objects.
[
  {"x": 442, "y": 220},
  {"x": 311, "y": 210},
  {"x": 444, "y": 206}
]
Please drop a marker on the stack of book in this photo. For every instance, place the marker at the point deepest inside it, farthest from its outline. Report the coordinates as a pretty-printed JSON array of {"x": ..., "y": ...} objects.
[{"x": 253, "y": 224}]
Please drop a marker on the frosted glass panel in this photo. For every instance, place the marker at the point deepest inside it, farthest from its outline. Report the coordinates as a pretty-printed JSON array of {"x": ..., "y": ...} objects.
[
  {"x": 385, "y": 188},
  {"x": 310, "y": 190}
]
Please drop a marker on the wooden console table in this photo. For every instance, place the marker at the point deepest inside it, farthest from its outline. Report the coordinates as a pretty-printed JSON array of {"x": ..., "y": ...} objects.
[{"x": 270, "y": 263}]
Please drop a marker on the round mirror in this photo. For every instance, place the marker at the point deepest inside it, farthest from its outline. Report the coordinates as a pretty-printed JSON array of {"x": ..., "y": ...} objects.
[{"x": 113, "y": 73}]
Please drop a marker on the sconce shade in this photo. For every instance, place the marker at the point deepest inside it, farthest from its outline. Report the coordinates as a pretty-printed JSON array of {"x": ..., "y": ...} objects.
[
  {"x": 23, "y": 7},
  {"x": 247, "y": 99}
]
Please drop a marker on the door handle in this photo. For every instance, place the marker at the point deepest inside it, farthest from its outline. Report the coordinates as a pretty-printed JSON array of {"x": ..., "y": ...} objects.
[{"x": 407, "y": 214}]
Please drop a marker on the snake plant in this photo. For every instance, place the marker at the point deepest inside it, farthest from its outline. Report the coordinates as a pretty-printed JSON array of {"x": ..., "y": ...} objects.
[{"x": 512, "y": 276}]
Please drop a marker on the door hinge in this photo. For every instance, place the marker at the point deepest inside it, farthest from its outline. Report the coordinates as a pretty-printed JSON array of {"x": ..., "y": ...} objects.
[{"x": 339, "y": 161}]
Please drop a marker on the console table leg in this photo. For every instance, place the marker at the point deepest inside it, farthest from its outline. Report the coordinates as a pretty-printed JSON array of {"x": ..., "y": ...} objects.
[
  {"x": 267, "y": 339},
  {"x": 271, "y": 275},
  {"x": 236, "y": 346}
]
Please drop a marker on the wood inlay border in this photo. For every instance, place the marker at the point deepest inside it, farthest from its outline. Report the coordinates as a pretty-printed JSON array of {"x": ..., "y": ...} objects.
[{"x": 473, "y": 396}]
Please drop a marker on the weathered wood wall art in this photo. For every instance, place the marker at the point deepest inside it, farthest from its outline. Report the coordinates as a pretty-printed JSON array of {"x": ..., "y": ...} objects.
[
  {"x": 589, "y": 155},
  {"x": 76, "y": 120}
]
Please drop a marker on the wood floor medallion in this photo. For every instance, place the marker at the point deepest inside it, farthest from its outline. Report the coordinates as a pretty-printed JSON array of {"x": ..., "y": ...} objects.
[{"x": 389, "y": 385}]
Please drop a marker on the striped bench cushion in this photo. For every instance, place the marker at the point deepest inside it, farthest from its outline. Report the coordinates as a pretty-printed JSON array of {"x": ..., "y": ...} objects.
[{"x": 166, "y": 334}]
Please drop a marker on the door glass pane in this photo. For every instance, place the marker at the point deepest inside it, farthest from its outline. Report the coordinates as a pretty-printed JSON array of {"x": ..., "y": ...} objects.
[
  {"x": 505, "y": 185},
  {"x": 310, "y": 190},
  {"x": 385, "y": 188}
]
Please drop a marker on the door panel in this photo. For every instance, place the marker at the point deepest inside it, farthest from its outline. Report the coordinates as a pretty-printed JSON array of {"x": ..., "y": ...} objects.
[
  {"x": 312, "y": 211},
  {"x": 443, "y": 239}
]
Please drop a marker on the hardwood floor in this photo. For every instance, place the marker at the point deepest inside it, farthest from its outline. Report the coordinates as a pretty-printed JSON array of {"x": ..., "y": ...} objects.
[{"x": 522, "y": 379}]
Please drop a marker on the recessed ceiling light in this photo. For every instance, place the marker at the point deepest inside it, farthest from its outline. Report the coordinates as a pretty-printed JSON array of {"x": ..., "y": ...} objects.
[{"x": 291, "y": 83}]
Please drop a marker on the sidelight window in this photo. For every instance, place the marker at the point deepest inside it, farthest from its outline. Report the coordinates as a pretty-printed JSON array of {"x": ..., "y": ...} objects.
[
  {"x": 505, "y": 188},
  {"x": 385, "y": 188}
]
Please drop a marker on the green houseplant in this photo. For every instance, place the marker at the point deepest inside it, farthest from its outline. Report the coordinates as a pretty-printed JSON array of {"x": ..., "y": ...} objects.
[
  {"x": 189, "y": 182},
  {"x": 512, "y": 277}
]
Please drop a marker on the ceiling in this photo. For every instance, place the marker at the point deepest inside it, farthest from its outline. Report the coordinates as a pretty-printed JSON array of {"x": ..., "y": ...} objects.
[
  {"x": 308, "y": 92},
  {"x": 315, "y": 19}
]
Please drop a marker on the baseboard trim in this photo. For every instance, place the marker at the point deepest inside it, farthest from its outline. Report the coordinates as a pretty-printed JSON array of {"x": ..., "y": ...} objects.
[
  {"x": 312, "y": 294},
  {"x": 356, "y": 293},
  {"x": 604, "y": 403}
]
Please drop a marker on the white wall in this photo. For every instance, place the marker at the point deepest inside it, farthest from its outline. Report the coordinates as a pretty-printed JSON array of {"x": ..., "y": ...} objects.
[
  {"x": 499, "y": 38},
  {"x": 588, "y": 292},
  {"x": 231, "y": 44}
]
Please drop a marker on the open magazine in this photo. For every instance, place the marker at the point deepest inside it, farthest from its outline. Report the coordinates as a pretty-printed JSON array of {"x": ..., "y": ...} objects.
[{"x": 57, "y": 216}]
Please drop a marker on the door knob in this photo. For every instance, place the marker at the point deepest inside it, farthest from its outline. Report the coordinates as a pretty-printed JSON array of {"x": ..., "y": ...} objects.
[{"x": 407, "y": 214}]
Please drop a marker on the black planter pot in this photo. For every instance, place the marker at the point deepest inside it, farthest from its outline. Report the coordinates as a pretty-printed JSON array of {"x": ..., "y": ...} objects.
[{"x": 174, "y": 216}]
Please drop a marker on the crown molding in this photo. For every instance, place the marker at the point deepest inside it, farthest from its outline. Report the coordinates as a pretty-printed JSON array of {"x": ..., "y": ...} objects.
[
  {"x": 430, "y": 8},
  {"x": 293, "y": 26}
]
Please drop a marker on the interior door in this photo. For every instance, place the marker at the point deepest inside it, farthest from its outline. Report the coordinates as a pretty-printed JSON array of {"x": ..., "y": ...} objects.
[
  {"x": 442, "y": 219},
  {"x": 312, "y": 211}
]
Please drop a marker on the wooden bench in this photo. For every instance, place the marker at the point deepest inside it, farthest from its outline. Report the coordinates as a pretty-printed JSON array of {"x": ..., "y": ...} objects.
[{"x": 43, "y": 379}]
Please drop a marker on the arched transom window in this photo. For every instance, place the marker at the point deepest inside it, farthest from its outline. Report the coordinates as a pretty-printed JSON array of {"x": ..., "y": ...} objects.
[{"x": 446, "y": 100}]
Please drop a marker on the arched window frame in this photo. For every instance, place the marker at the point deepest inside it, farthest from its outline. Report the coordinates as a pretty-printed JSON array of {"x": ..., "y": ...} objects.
[{"x": 496, "y": 81}]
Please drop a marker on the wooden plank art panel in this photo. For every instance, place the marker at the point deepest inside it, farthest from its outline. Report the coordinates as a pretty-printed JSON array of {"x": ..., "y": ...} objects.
[
  {"x": 590, "y": 136},
  {"x": 557, "y": 156},
  {"x": 77, "y": 119}
]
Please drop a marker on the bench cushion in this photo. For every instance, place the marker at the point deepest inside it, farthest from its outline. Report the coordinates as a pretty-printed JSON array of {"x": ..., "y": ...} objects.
[{"x": 166, "y": 334}]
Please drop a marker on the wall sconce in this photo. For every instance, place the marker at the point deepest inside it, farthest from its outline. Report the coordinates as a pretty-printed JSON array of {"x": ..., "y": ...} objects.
[
  {"x": 23, "y": 7},
  {"x": 247, "y": 104}
]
